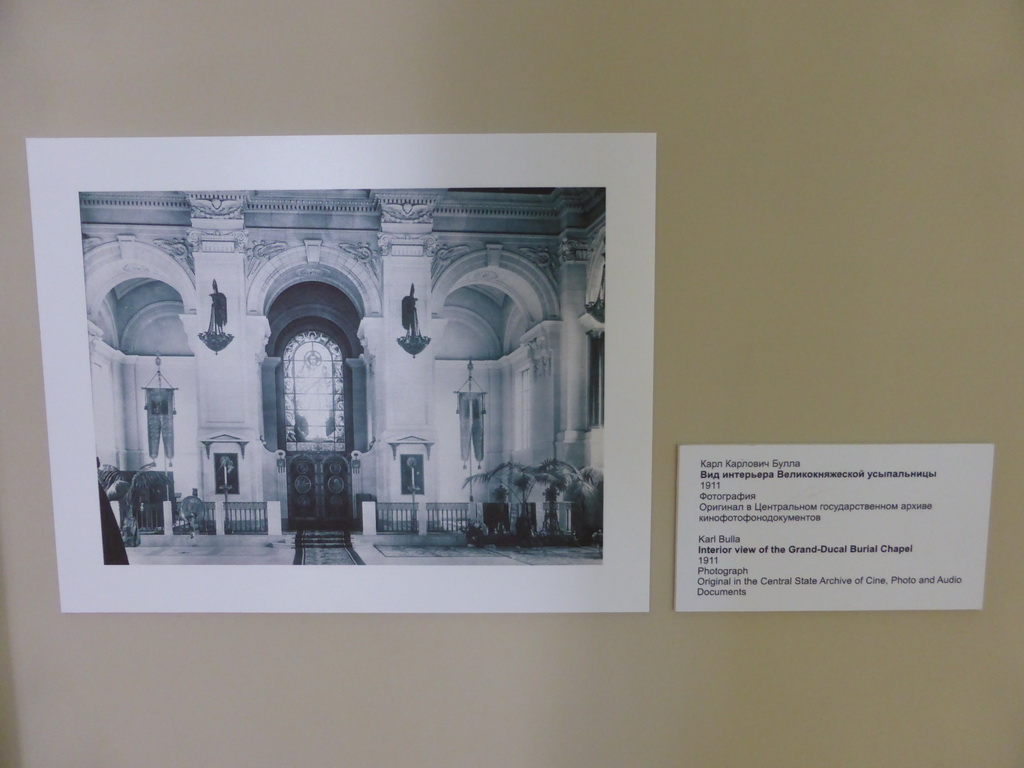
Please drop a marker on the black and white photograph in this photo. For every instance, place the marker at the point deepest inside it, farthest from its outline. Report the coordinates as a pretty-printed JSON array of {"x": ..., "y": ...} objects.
[
  {"x": 403, "y": 373},
  {"x": 375, "y": 377}
]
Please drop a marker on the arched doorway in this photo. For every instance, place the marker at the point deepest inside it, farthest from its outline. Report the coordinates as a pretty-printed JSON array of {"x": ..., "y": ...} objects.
[
  {"x": 317, "y": 412},
  {"x": 315, "y": 418}
]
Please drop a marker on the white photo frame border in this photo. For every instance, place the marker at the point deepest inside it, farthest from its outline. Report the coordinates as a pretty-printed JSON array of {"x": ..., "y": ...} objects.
[{"x": 59, "y": 169}]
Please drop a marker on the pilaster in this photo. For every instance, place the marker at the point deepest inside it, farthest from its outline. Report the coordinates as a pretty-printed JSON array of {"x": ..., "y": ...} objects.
[
  {"x": 406, "y": 382},
  {"x": 573, "y": 422},
  {"x": 228, "y": 380}
]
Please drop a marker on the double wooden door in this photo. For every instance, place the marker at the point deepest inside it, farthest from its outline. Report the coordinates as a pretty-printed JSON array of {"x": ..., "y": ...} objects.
[{"x": 319, "y": 492}]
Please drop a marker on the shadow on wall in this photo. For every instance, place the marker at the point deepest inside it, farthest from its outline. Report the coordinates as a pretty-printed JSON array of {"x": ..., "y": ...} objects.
[{"x": 10, "y": 753}]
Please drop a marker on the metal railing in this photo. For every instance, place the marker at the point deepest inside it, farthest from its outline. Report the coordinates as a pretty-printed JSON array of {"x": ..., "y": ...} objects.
[
  {"x": 396, "y": 517},
  {"x": 205, "y": 523},
  {"x": 448, "y": 517},
  {"x": 560, "y": 516},
  {"x": 151, "y": 517},
  {"x": 245, "y": 517}
]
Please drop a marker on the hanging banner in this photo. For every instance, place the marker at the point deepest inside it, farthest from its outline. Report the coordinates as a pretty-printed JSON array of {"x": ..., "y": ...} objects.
[
  {"x": 160, "y": 420},
  {"x": 471, "y": 425}
]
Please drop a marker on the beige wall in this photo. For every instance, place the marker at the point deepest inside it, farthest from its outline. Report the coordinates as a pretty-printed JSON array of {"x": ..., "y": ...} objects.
[{"x": 839, "y": 260}]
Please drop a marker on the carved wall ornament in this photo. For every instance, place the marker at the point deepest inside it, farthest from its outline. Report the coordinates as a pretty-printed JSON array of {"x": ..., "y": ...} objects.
[
  {"x": 445, "y": 255},
  {"x": 573, "y": 197},
  {"x": 540, "y": 354},
  {"x": 407, "y": 213},
  {"x": 179, "y": 248},
  {"x": 571, "y": 249},
  {"x": 363, "y": 252},
  {"x": 429, "y": 246},
  {"x": 88, "y": 243},
  {"x": 260, "y": 251},
  {"x": 392, "y": 244},
  {"x": 543, "y": 257},
  {"x": 311, "y": 271},
  {"x": 215, "y": 207},
  {"x": 134, "y": 269},
  {"x": 360, "y": 251},
  {"x": 238, "y": 237}
]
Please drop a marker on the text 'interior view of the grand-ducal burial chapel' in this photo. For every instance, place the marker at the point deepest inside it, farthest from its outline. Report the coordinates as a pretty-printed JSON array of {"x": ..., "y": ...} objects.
[{"x": 416, "y": 361}]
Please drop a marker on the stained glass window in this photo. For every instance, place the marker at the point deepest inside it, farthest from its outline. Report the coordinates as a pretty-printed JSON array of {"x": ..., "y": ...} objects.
[{"x": 314, "y": 393}]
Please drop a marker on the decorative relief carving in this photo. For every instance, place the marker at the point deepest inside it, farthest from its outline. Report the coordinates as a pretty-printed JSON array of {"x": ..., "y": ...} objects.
[
  {"x": 574, "y": 198},
  {"x": 88, "y": 243},
  {"x": 407, "y": 213},
  {"x": 311, "y": 271},
  {"x": 542, "y": 257},
  {"x": 571, "y": 249},
  {"x": 236, "y": 236},
  {"x": 404, "y": 245},
  {"x": 133, "y": 269},
  {"x": 260, "y": 251},
  {"x": 216, "y": 207},
  {"x": 444, "y": 256},
  {"x": 180, "y": 249},
  {"x": 363, "y": 252},
  {"x": 540, "y": 353},
  {"x": 406, "y": 206}
]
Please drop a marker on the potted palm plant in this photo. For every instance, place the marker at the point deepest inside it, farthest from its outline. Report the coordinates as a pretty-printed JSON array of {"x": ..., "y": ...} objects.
[
  {"x": 586, "y": 492},
  {"x": 130, "y": 494}
]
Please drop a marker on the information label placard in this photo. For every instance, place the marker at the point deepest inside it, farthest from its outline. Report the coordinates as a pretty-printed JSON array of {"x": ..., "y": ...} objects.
[{"x": 832, "y": 527}]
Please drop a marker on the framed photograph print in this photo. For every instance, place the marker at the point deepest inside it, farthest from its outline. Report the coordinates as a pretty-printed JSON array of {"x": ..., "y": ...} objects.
[{"x": 350, "y": 373}]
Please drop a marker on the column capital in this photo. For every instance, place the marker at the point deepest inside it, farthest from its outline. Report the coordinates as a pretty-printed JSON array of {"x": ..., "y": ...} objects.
[{"x": 573, "y": 249}]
